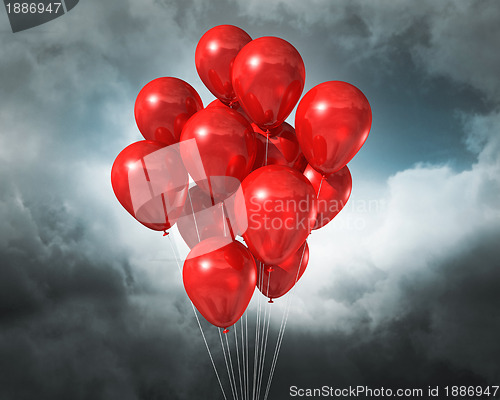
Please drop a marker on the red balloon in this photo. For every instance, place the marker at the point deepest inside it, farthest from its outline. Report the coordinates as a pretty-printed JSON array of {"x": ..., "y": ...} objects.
[
  {"x": 162, "y": 108},
  {"x": 223, "y": 150},
  {"x": 276, "y": 281},
  {"x": 282, "y": 149},
  {"x": 235, "y": 106},
  {"x": 268, "y": 79},
  {"x": 332, "y": 192},
  {"x": 220, "y": 279},
  {"x": 332, "y": 121},
  {"x": 214, "y": 59},
  {"x": 218, "y": 103},
  {"x": 150, "y": 182},
  {"x": 201, "y": 219},
  {"x": 278, "y": 207}
]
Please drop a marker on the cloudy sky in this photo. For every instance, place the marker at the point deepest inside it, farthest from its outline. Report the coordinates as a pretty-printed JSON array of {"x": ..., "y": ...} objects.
[{"x": 403, "y": 287}]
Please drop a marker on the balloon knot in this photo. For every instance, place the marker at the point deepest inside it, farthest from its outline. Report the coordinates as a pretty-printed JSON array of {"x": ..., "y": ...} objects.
[
  {"x": 271, "y": 301},
  {"x": 270, "y": 269},
  {"x": 165, "y": 233},
  {"x": 225, "y": 330}
]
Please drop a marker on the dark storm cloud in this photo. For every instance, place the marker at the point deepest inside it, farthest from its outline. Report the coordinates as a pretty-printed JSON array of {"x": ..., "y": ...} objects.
[
  {"x": 77, "y": 318},
  {"x": 78, "y": 321},
  {"x": 87, "y": 312},
  {"x": 442, "y": 333},
  {"x": 44, "y": 258}
]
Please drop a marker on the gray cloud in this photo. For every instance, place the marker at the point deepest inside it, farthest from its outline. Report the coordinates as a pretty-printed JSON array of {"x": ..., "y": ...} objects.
[
  {"x": 441, "y": 333},
  {"x": 91, "y": 303}
]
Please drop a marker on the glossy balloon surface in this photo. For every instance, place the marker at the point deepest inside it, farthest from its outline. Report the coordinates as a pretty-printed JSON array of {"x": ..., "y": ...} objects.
[
  {"x": 268, "y": 79},
  {"x": 235, "y": 106},
  {"x": 280, "y": 206},
  {"x": 332, "y": 193},
  {"x": 201, "y": 219},
  {"x": 150, "y": 182},
  {"x": 277, "y": 280},
  {"x": 214, "y": 57},
  {"x": 220, "y": 279},
  {"x": 162, "y": 108},
  {"x": 282, "y": 149},
  {"x": 332, "y": 122},
  {"x": 218, "y": 149}
]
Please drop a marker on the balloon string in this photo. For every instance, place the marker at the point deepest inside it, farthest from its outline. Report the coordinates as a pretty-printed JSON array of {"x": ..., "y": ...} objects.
[
  {"x": 231, "y": 364},
  {"x": 273, "y": 364},
  {"x": 227, "y": 364},
  {"x": 320, "y": 185},
  {"x": 228, "y": 221},
  {"x": 263, "y": 353},
  {"x": 257, "y": 331},
  {"x": 194, "y": 216},
  {"x": 145, "y": 169},
  {"x": 164, "y": 208},
  {"x": 281, "y": 332},
  {"x": 267, "y": 144},
  {"x": 244, "y": 387},
  {"x": 255, "y": 345},
  {"x": 210, "y": 190},
  {"x": 262, "y": 339},
  {"x": 269, "y": 270},
  {"x": 261, "y": 348},
  {"x": 152, "y": 193},
  {"x": 264, "y": 350},
  {"x": 223, "y": 219},
  {"x": 238, "y": 359},
  {"x": 246, "y": 349},
  {"x": 174, "y": 250},
  {"x": 150, "y": 187}
]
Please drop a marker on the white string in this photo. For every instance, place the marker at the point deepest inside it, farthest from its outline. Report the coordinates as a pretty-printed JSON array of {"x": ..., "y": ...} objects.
[
  {"x": 271, "y": 371},
  {"x": 248, "y": 373},
  {"x": 267, "y": 145},
  {"x": 261, "y": 344},
  {"x": 227, "y": 365},
  {"x": 264, "y": 352},
  {"x": 320, "y": 185},
  {"x": 174, "y": 249},
  {"x": 269, "y": 282},
  {"x": 277, "y": 348},
  {"x": 223, "y": 218},
  {"x": 243, "y": 358},
  {"x": 231, "y": 364},
  {"x": 261, "y": 347},
  {"x": 238, "y": 358},
  {"x": 283, "y": 325},
  {"x": 194, "y": 216},
  {"x": 257, "y": 336},
  {"x": 254, "y": 382}
]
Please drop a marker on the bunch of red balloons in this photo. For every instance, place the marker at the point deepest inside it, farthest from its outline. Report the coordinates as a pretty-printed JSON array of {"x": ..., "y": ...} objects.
[{"x": 256, "y": 177}]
